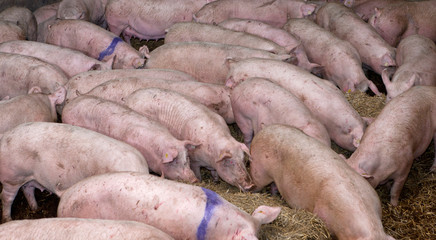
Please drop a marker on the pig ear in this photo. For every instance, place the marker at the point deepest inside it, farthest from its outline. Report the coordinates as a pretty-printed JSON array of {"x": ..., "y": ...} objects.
[
  {"x": 307, "y": 9},
  {"x": 356, "y": 142},
  {"x": 145, "y": 51},
  {"x": 58, "y": 97},
  {"x": 190, "y": 146},
  {"x": 223, "y": 156},
  {"x": 386, "y": 77},
  {"x": 94, "y": 67},
  {"x": 265, "y": 214},
  {"x": 34, "y": 89},
  {"x": 169, "y": 155},
  {"x": 411, "y": 81},
  {"x": 245, "y": 149}
]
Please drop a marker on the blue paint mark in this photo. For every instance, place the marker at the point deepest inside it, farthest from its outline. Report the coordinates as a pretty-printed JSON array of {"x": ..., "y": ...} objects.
[
  {"x": 109, "y": 50},
  {"x": 212, "y": 201}
]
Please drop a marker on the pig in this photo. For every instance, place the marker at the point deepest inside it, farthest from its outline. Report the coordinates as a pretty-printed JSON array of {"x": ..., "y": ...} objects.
[
  {"x": 86, "y": 81},
  {"x": 311, "y": 176},
  {"x": 181, "y": 210},
  {"x": 95, "y": 42},
  {"x": 374, "y": 51},
  {"x": 207, "y": 61},
  {"x": 344, "y": 125},
  {"x": 366, "y": 9},
  {"x": 21, "y": 74},
  {"x": 10, "y": 31},
  {"x": 148, "y": 19},
  {"x": 277, "y": 35},
  {"x": 416, "y": 57},
  {"x": 275, "y": 13},
  {"x": 258, "y": 103},
  {"x": 187, "y": 119},
  {"x": 88, "y": 10},
  {"x": 202, "y": 32},
  {"x": 331, "y": 53},
  {"x": 54, "y": 156},
  {"x": 45, "y": 12},
  {"x": 34, "y": 107},
  {"x": 80, "y": 229},
  {"x": 215, "y": 97},
  {"x": 397, "y": 21},
  {"x": 24, "y": 18},
  {"x": 71, "y": 61},
  {"x": 165, "y": 155},
  {"x": 401, "y": 132}
]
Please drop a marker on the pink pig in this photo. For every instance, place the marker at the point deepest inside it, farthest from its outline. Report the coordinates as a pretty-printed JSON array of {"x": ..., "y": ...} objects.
[
  {"x": 397, "y": 21},
  {"x": 400, "y": 133},
  {"x": 181, "y": 210},
  {"x": 95, "y": 42},
  {"x": 24, "y": 18},
  {"x": 54, "y": 156},
  {"x": 283, "y": 38},
  {"x": 165, "y": 155},
  {"x": 190, "y": 120},
  {"x": 80, "y": 229},
  {"x": 214, "y": 96},
  {"x": 21, "y": 74},
  {"x": 275, "y": 13},
  {"x": 416, "y": 57},
  {"x": 311, "y": 176},
  {"x": 34, "y": 107},
  {"x": 10, "y": 31},
  {"x": 148, "y": 19},
  {"x": 71, "y": 61},
  {"x": 258, "y": 103},
  {"x": 332, "y": 54},
  {"x": 374, "y": 51}
]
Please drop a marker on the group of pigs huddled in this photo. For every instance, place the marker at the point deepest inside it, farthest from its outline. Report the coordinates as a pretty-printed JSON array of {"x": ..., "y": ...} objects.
[{"x": 278, "y": 69}]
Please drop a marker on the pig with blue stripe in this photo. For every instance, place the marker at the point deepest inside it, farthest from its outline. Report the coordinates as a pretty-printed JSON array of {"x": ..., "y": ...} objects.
[{"x": 181, "y": 210}]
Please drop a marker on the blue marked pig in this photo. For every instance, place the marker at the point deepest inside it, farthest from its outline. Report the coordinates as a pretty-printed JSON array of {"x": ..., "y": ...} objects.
[{"x": 183, "y": 211}]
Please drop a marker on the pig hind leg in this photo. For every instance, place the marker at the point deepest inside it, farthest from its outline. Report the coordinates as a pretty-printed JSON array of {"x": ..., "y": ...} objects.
[
  {"x": 29, "y": 193},
  {"x": 8, "y": 195}
]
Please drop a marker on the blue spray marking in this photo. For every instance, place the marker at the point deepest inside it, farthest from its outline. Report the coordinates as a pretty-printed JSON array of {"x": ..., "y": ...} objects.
[
  {"x": 213, "y": 200},
  {"x": 109, "y": 50}
]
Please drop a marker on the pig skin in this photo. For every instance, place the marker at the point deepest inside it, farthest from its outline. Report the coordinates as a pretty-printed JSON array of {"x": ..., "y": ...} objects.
[
  {"x": 190, "y": 120},
  {"x": 54, "y": 156},
  {"x": 34, "y": 107},
  {"x": 272, "y": 12},
  {"x": 374, "y": 51},
  {"x": 45, "y": 12},
  {"x": 10, "y": 31},
  {"x": 207, "y": 61},
  {"x": 397, "y": 21},
  {"x": 88, "y": 10},
  {"x": 416, "y": 58},
  {"x": 148, "y": 19},
  {"x": 24, "y": 18},
  {"x": 72, "y": 62},
  {"x": 181, "y": 210},
  {"x": 215, "y": 97},
  {"x": 332, "y": 53},
  {"x": 401, "y": 132},
  {"x": 95, "y": 42},
  {"x": 366, "y": 9},
  {"x": 165, "y": 155},
  {"x": 21, "y": 74},
  {"x": 322, "y": 98},
  {"x": 311, "y": 176},
  {"x": 281, "y": 37},
  {"x": 258, "y": 103},
  {"x": 79, "y": 229},
  {"x": 202, "y": 32}
]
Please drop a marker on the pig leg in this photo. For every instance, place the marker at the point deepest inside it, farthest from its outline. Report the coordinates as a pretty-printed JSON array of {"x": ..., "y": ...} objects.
[
  {"x": 29, "y": 193},
  {"x": 398, "y": 184},
  {"x": 7, "y": 196},
  {"x": 433, "y": 167},
  {"x": 245, "y": 125}
]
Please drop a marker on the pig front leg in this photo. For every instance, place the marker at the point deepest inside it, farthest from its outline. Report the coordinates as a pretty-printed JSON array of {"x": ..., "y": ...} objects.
[
  {"x": 246, "y": 127},
  {"x": 29, "y": 193},
  {"x": 398, "y": 184}
]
